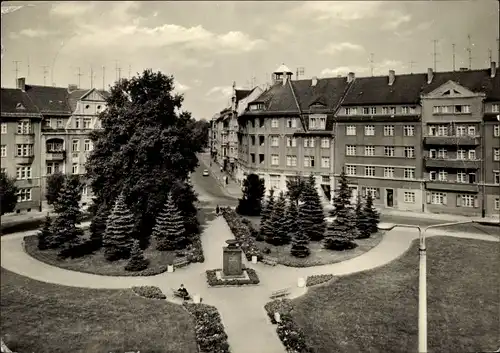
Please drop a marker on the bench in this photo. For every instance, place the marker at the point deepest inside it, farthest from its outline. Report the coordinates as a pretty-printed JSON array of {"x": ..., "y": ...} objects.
[
  {"x": 268, "y": 260},
  {"x": 280, "y": 293},
  {"x": 181, "y": 262},
  {"x": 179, "y": 295}
]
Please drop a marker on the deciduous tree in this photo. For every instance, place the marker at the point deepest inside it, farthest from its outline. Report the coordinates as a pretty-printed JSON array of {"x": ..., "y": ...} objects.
[
  {"x": 253, "y": 193},
  {"x": 169, "y": 231},
  {"x": 8, "y": 193}
]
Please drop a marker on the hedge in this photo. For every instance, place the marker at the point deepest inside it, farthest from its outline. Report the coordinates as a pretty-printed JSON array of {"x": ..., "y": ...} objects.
[
  {"x": 150, "y": 292},
  {"x": 214, "y": 281},
  {"x": 318, "y": 279},
  {"x": 30, "y": 224}
]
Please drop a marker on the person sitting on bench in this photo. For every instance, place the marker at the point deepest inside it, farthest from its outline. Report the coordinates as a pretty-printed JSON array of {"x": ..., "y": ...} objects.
[{"x": 183, "y": 291}]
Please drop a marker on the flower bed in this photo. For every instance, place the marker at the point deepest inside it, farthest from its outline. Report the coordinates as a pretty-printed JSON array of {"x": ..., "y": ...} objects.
[
  {"x": 150, "y": 292},
  {"x": 209, "y": 330},
  {"x": 288, "y": 331},
  {"x": 241, "y": 232},
  {"x": 214, "y": 281},
  {"x": 317, "y": 279}
]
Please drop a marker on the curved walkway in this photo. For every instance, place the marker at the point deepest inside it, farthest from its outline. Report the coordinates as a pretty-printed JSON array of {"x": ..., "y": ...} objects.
[{"x": 241, "y": 308}]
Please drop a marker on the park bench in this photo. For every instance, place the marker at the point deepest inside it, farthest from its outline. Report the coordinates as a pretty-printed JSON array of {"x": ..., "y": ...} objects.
[
  {"x": 181, "y": 262},
  {"x": 280, "y": 293},
  {"x": 269, "y": 260},
  {"x": 180, "y": 295}
]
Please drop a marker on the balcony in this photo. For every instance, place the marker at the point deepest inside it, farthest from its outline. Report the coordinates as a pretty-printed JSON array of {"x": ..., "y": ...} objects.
[
  {"x": 452, "y": 163},
  {"x": 451, "y": 186},
  {"x": 24, "y": 159},
  {"x": 55, "y": 156},
  {"x": 452, "y": 140}
]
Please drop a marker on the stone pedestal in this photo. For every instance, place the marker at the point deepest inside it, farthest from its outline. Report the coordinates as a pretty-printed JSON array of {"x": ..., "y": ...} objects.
[{"x": 232, "y": 263}]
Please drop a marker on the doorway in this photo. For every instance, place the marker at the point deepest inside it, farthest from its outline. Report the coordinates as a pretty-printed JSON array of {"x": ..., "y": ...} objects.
[{"x": 389, "y": 197}]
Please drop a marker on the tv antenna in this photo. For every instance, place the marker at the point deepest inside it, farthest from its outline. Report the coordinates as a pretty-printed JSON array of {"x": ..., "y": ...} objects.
[
  {"x": 103, "y": 78},
  {"x": 45, "y": 72},
  {"x": 411, "y": 66},
  {"x": 434, "y": 54},
  {"x": 129, "y": 71},
  {"x": 91, "y": 78},
  {"x": 16, "y": 69},
  {"x": 28, "y": 74},
  {"x": 453, "y": 55},
  {"x": 300, "y": 72},
  {"x": 79, "y": 75},
  {"x": 117, "y": 71},
  {"x": 490, "y": 57},
  {"x": 371, "y": 63},
  {"x": 469, "y": 50}
]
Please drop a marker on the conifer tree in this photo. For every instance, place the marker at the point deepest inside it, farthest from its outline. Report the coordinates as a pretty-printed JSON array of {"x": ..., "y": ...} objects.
[
  {"x": 117, "y": 240},
  {"x": 278, "y": 234},
  {"x": 169, "y": 228},
  {"x": 137, "y": 261},
  {"x": 98, "y": 225},
  {"x": 291, "y": 222},
  {"x": 342, "y": 231},
  {"x": 371, "y": 216},
  {"x": 45, "y": 234},
  {"x": 265, "y": 226},
  {"x": 300, "y": 240},
  {"x": 311, "y": 214},
  {"x": 361, "y": 222},
  {"x": 342, "y": 196}
]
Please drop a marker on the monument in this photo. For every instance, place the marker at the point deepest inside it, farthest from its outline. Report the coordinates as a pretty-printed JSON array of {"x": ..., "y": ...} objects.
[{"x": 232, "y": 265}]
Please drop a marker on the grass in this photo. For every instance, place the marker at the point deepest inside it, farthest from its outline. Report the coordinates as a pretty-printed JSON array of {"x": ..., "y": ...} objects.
[
  {"x": 46, "y": 318},
  {"x": 376, "y": 311}
]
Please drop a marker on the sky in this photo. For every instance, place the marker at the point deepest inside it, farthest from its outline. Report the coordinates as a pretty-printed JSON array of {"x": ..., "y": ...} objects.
[{"x": 208, "y": 45}]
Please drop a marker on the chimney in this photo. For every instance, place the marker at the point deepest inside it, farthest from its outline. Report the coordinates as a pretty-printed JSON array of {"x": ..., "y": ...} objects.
[
  {"x": 350, "y": 77},
  {"x": 314, "y": 81},
  {"x": 493, "y": 69},
  {"x": 392, "y": 77},
  {"x": 72, "y": 87},
  {"x": 430, "y": 75},
  {"x": 21, "y": 83},
  {"x": 339, "y": 75}
]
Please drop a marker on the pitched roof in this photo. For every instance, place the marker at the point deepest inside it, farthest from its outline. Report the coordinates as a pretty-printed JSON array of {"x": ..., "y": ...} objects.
[
  {"x": 242, "y": 93},
  {"x": 74, "y": 96},
  {"x": 15, "y": 101},
  {"x": 51, "y": 100}
]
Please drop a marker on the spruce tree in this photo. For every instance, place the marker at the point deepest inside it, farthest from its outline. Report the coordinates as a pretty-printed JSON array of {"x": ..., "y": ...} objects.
[
  {"x": 117, "y": 240},
  {"x": 361, "y": 223},
  {"x": 45, "y": 234},
  {"x": 342, "y": 196},
  {"x": 137, "y": 261},
  {"x": 342, "y": 231},
  {"x": 169, "y": 228},
  {"x": 278, "y": 232},
  {"x": 265, "y": 226},
  {"x": 300, "y": 240},
  {"x": 371, "y": 216},
  {"x": 291, "y": 222},
  {"x": 311, "y": 214},
  {"x": 98, "y": 225}
]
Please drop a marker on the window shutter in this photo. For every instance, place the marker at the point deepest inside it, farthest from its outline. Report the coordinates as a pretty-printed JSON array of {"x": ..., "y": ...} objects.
[
  {"x": 428, "y": 197},
  {"x": 476, "y": 202},
  {"x": 445, "y": 199},
  {"x": 459, "y": 200}
]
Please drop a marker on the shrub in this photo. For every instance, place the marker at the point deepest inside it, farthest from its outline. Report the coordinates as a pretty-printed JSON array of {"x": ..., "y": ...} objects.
[
  {"x": 45, "y": 234},
  {"x": 317, "y": 279},
  {"x": 30, "y": 224},
  {"x": 137, "y": 261},
  {"x": 150, "y": 292},
  {"x": 194, "y": 252},
  {"x": 242, "y": 233},
  {"x": 209, "y": 330},
  {"x": 282, "y": 306},
  {"x": 214, "y": 281}
]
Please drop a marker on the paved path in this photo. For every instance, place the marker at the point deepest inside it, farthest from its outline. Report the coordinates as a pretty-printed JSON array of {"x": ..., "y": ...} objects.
[{"x": 241, "y": 308}]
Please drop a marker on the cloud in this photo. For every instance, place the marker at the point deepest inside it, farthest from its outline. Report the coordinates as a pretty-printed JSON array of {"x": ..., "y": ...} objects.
[
  {"x": 341, "y": 70},
  {"x": 32, "y": 33},
  {"x": 397, "y": 20},
  {"x": 179, "y": 87},
  {"x": 220, "y": 92},
  {"x": 380, "y": 68},
  {"x": 71, "y": 8},
  {"x": 197, "y": 82},
  {"x": 334, "y": 48}
]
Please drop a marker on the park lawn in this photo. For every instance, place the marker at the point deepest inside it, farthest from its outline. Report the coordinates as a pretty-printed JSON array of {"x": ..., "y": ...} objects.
[
  {"x": 376, "y": 311},
  {"x": 47, "y": 318}
]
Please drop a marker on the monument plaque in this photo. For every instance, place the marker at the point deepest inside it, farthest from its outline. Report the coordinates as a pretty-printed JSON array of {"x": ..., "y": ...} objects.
[{"x": 232, "y": 265}]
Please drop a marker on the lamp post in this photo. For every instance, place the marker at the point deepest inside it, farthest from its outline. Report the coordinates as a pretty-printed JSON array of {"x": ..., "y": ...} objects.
[{"x": 422, "y": 276}]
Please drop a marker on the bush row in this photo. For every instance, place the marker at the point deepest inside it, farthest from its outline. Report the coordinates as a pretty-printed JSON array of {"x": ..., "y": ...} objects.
[
  {"x": 242, "y": 233},
  {"x": 288, "y": 331},
  {"x": 150, "y": 292},
  {"x": 210, "y": 334},
  {"x": 317, "y": 279},
  {"x": 214, "y": 281},
  {"x": 30, "y": 224}
]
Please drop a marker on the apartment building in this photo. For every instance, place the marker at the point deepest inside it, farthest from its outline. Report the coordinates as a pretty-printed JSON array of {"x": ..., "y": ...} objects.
[
  {"x": 21, "y": 146},
  {"x": 67, "y": 115}
]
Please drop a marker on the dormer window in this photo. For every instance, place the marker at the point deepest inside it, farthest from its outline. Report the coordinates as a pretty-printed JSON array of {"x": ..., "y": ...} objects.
[
  {"x": 351, "y": 111},
  {"x": 257, "y": 106},
  {"x": 317, "y": 122},
  {"x": 20, "y": 106}
]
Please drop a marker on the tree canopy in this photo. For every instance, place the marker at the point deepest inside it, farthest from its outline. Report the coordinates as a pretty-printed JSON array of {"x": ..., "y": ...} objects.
[
  {"x": 8, "y": 193},
  {"x": 55, "y": 183},
  {"x": 253, "y": 193}
]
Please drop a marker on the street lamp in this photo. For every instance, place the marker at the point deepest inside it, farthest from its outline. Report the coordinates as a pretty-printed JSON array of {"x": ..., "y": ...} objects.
[{"x": 422, "y": 276}]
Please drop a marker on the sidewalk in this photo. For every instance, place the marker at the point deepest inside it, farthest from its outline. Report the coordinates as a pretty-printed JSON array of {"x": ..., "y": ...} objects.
[
  {"x": 232, "y": 188},
  {"x": 442, "y": 217}
]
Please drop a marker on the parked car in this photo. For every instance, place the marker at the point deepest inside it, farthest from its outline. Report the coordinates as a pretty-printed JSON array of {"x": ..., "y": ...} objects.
[{"x": 205, "y": 172}]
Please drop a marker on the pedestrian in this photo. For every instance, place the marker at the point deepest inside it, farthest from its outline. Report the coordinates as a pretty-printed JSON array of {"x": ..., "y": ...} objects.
[{"x": 217, "y": 210}]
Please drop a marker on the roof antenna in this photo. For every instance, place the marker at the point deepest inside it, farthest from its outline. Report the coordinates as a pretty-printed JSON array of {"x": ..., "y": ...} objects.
[
  {"x": 453, "y": 49},
  {"x": 16, "y": 70},
  {"x": 434, "y": 54},
  {"x": 469, "y": 50},
  {"x": 371, "y": 63}
]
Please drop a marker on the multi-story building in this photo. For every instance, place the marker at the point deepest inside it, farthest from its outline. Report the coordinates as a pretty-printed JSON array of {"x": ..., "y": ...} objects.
[{"x": 67, "y": 115}]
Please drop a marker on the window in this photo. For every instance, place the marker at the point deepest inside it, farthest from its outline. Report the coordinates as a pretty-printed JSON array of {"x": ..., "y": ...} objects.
[
  {"x": 389, "y": 151},
  {"x": 75, "y": 145},
  {"x": 325, "y": 162},
  {"x": 442, "y": 130},
  {"x": 366, "y": 111},
  {"x": 261, "y": 140},
  {"x": 373, "y": 191},
  {"x": 75, "y": 168},
  {"x": 350, "y": 130},
  {"x": 291, "y": 161},
  {"x": 442, "y": 175},
  {"x": 275, "y": 159},
  {"x": 496, "y": 154},
  {"x": 409, "y": 197},
  {"x": 275, "y": 181},
  {"x": 54, "y": 146},
  {"x": 4, "y": 128},
  {"x": 471, "y": 130},
  {"x": 369, "y": 130},
  {"x": 59, "y": 123},
  {"x": 497, "y": 204},
  {"x": 317, "y": 123},
  {"x": 3, "y": 171},
  {"x": 388, "y": 172},
  {"x": 23, "y": 195},
  {"x": 496, "y": 130},
  {"x": 308, "y": 161},
  {"x": 275, "y": 141},
  {"x": 85, "y": 190},
  {"x": 351, "y": 111},
  {"x": 495, "y": 108},
  {"x": 87, "y": 145},
  {"x": 86, "y": 123},
  {"x": 392, "y": 110},
  {"x": 3, "y": 151},
  {"x": 461, "y": 130},
  {"x": 308, "y": 141},
  {"x": 24, "y": 150},
  {"x": 438, "y": 198},
  {"x": 442, "y": 153},
  {"x": 432, "y": 154},
  {"x": 373, "y": 110},
  {"x": 472, "y": 154},
  {"x": 52, "y": 167},
  {"x": 405, "y": 110},
  {"x": 325, "y": 142},
  {"x": 369, "y": 150},
  {"x": 325, "y": 179},
  {"x": 409, "y": 152},
  {"x": 409, "y": 130},
  {"x": 258, "y": 106},
  {"x": 466, "y": 200},
  {"x": 23, "y": 173},
  {"x": 435, "y": 109},
  {"x": 77, "y": 123},
  {"x": 385, "y": 110},
  {"x": 432, "y": 175},
  {"x": 261, "y": 158},
  {"x": 23, "y": 127},
  {"x": 389, "y": 130},
  {"x": 252, "y": 157},
  {"x": 461, "y": 154},
  {"x": 252, "y": 139},
  {"x": 496, "y": 178},
  {"x": 432, "y": 131},
  {"x": 409, "y": 173},
  {"x": 252, "y": 123},
  {"x": 291, "y": 142},
  {"x": 291, "y": 123},
  {"x": 350, "y": 170},
  {"x": 350, "y": 150},
  {"x": 370, "y": 171},
  {"x": 462, "y": 109},
  {"x": 261, "y": 122},
  {"x": 275, "y": 123}
]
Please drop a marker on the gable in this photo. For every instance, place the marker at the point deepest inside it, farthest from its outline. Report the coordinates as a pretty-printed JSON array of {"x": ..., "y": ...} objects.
[
  {"x": 93, "y": 95},
  {"x": 451, "y": 89}
]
